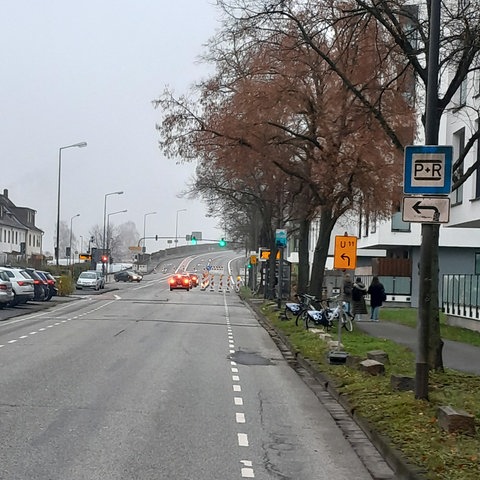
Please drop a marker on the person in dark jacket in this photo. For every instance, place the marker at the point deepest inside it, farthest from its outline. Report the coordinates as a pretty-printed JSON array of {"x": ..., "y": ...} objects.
[
  {"x": 359, "y": 307},
  {"x": 377, "y": 297}
]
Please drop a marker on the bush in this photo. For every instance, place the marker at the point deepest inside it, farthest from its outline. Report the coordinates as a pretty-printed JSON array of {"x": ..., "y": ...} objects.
[{"x": 65, "y": 285}]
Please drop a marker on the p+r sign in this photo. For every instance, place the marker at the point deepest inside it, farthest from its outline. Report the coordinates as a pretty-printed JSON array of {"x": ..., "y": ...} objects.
[{"x": 428, "y": 169}]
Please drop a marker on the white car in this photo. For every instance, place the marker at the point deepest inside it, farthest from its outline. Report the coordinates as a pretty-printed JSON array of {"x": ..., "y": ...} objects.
[
  {"x": 6, "y": 292},
  {"x": 90, "y": 279},
  {"x": 22, "y": 285}
]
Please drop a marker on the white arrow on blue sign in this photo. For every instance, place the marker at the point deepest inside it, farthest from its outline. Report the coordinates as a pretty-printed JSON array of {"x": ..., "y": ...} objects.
[{"x": 428, "y": 169}]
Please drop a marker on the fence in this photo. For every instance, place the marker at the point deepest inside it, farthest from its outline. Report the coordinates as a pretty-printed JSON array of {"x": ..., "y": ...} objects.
[{"x": 461, "y": 295}]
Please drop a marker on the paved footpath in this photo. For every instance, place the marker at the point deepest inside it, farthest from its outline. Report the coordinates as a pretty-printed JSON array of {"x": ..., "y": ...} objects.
[{"x": 456, "y": 355}]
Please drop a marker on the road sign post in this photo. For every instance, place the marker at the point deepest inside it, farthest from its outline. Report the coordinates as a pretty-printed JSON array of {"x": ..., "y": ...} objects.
[
  {"x": 428, "y": 169},
  {"x": 426, "y": 209},
  {"x": 345, "y": 255}
]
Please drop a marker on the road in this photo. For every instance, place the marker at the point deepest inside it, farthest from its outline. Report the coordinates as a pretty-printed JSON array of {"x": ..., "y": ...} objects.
[{"x": 144, "y": 383}]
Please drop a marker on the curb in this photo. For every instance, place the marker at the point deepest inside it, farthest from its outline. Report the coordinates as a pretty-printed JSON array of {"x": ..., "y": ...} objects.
[{"x": 397, "y": 465}]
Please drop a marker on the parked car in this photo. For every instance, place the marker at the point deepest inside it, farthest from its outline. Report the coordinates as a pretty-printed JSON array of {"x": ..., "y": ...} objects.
[
  {"x": 6, "y": 292},
  {"x": 22, "y": 285},
  {"x": 41, "y": 290},
  {"x": 52, "y": 284},
  {"x": 101, "y": 276},
  {"x": 127, "y": 276},
  {"x": 181, "y": 281},
  {"x": 90, "y": 279}
]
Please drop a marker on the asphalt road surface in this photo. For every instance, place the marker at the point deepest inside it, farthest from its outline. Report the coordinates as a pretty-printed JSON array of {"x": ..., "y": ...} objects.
[{"x": 144, "y": 383}]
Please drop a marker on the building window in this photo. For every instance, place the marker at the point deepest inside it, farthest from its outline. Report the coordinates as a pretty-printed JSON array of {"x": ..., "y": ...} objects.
[
  {"x": 458, "y": 148},
  {"x": 477, "y": 263},
  {"x": 398, "y": 225}
]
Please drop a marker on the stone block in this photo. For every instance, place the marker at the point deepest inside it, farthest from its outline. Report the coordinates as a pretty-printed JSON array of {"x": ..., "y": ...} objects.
[
  {"x": 456, "y": 421},
  {"x": 372, "y": 367},
  {"x": 379, "y": 356},
  {"x": 335, "y": 345},
  {"x": 354, "y": 361},
  {"x": 402, "y": 383}
]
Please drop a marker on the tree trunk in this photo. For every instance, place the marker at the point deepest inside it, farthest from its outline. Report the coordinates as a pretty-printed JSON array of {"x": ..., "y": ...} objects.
[
  {"x": 303, "y": 257},
  {"x": 327, "y": 222}
]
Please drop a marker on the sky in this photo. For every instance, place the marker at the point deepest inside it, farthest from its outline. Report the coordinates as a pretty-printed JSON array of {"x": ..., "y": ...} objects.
[{"x": 88, "y": 72}]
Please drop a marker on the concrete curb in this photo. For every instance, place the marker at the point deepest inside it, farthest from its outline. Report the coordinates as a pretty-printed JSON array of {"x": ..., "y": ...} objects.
[{"x": 400, "y": 468}]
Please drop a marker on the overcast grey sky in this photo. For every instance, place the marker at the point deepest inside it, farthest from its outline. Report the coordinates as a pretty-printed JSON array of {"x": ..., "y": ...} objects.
[{"x": 88, "y": 71}]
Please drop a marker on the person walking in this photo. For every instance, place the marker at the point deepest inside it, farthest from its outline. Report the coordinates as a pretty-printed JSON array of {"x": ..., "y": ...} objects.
[
  {"x": 359, "y": 307},
  {"x": 377, "y": 297}
]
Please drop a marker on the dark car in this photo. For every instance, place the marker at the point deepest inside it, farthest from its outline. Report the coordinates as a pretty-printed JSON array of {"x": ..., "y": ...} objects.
[
  {"x": 127, "y": 276},
  {"x": 194, "y": 278},
  {"x": 181, "y": 281},
  {"x": 52, "y": 284},
  {"x": 40, "y": 285}
]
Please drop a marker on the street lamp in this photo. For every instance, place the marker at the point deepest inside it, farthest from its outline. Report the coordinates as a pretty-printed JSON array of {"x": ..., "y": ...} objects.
[
  {"x": 80, "y": 145},
  {"x": 105, "y": 218},
  {"x": 70, "y": 243},
  {"x": 144, "y": 235},
  {"x": 108, "y": 224},
  {"x": 176, "y": 225}
]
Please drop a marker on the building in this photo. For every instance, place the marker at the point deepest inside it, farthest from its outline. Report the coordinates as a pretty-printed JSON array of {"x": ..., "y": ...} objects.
[{"x": 20, "y": 238}]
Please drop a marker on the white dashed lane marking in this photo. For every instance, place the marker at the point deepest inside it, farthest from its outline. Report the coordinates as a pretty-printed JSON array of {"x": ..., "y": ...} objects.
[
  {"x": 242, "y": 438},
  {"x": 56, "y": 324}
]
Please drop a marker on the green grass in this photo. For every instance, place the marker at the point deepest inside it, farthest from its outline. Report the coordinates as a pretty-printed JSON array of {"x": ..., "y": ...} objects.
[
  {"x": 410, "y": 424},
  {"x": 408, "y": 316}
]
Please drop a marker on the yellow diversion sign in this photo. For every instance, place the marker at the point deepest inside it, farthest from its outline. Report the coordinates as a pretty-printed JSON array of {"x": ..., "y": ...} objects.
[{"x": 345, "y": 255}]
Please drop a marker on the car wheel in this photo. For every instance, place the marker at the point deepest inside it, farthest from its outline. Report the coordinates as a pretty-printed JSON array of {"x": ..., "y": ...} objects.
[{"x": 171, "y": 289}]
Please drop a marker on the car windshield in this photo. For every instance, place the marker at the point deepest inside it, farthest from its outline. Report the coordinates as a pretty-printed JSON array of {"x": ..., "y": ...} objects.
[{"x": 88, "y": 275}]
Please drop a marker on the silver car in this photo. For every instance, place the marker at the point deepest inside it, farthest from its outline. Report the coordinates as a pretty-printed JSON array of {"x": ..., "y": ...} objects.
[
  {"x": 6, "y": 291},
  {"x": 90, "y": 279},
  {"x": 22, "y": 285}
]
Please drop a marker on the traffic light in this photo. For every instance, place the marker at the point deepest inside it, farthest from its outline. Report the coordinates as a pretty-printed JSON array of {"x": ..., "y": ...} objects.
[
  {"x": 193, "y": 239},
  {"x": 104, "y": 258},
  {"x": 222, "y": 242}
]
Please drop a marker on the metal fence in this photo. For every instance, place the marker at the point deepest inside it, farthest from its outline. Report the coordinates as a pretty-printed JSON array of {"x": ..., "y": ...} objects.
[{"x": 461, "y": 295}]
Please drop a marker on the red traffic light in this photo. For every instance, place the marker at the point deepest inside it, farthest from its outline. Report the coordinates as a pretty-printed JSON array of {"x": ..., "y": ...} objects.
[{"x": 104, "y": 259}]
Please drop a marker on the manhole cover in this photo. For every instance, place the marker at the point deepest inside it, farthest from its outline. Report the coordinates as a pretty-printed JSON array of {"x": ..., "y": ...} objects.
[{"x": 249, "y": 358}]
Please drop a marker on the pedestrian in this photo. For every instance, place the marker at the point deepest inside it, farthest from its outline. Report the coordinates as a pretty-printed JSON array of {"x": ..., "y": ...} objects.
[
  {"x": 377, "y": 297},
  {"x": 359, "y": 307},
  {"x": 347, "y": 291}
]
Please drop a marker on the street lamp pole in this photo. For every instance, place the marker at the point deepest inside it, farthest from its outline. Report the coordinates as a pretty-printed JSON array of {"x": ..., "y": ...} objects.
[
  {"x": 70, "y": 243},
  {"x": 108, "y": 225},
  {"x": 176, "y": 225},
  {"x": 144, "y": 230},
  {"x": 105, "y": 223},
  {"x": 80, "y": 145}
]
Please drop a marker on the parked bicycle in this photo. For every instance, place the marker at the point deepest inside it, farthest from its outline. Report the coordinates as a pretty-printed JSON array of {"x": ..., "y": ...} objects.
[
  {"x": 296, "y": 309},
  {"x": 326, "y": 316}
]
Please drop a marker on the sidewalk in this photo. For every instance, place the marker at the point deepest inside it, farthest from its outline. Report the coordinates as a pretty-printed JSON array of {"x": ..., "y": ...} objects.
[{"x": 456, "y": 355}]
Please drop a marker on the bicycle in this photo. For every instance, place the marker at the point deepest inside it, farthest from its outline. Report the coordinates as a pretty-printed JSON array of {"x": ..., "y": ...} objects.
[
  {"x": 296, "y": 309},
  {"x": 339, "y": 313}
]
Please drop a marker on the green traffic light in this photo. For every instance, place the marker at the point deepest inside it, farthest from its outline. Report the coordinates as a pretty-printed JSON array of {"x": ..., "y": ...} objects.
[
  {"x": 222, "y": 242},
  {"x": 194, "y": 240}
]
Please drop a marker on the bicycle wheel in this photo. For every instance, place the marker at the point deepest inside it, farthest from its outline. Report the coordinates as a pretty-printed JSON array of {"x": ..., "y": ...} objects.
[
  {"x": 288, "y": 313},
  {"x": 299, "y": 318},
  {"x": 347, "y": 323}
]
